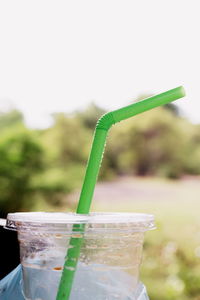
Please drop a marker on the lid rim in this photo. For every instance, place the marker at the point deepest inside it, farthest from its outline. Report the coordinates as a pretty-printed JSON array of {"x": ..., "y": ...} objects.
[
  {"x": 73, "y": 217},
  {"x": 14, "y": 220}
]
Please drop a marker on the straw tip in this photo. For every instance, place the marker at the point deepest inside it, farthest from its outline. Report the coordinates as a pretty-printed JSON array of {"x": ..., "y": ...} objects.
[{"x": 181, "y": 91}]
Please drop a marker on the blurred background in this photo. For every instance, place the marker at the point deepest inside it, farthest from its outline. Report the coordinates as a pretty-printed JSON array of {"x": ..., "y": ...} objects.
[{"x": 63, "y": 65}]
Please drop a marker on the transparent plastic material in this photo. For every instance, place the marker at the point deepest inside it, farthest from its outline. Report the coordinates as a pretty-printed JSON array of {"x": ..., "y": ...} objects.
[
  {"x": 108, "y": 266},
  {"x": 11, "y": 287}
]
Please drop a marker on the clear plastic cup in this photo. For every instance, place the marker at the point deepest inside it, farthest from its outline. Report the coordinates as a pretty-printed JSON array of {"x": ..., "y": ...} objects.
[{"x": 108, "y": 266}]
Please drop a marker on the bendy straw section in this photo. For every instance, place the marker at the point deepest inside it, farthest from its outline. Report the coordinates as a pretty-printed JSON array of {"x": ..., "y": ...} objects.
[{"x": 103, "y": 125}]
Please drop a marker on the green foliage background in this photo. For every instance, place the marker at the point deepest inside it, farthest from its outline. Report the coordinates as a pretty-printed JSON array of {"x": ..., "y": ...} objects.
[{"x": 39, "y": 168}]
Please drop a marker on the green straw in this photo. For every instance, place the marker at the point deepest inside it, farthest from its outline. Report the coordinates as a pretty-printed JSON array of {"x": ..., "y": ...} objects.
[{"x": 92, "y": 170}]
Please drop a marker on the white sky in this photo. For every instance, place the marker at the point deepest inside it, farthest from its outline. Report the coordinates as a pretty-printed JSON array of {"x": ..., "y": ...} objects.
[{"x": 59, "y": 55}]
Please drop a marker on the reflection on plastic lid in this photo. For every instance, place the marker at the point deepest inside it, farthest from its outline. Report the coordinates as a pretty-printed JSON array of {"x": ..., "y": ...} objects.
[{"x": 14, "y": 220}]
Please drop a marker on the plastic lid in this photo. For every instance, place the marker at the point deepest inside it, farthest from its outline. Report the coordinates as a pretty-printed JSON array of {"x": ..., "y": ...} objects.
[{"x": 16, "y": 220}]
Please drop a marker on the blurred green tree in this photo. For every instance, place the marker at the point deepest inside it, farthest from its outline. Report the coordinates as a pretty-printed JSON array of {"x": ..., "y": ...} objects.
[
  {"x": 156, "y": 143},
  {"x": 67, "y": 141},
  {"x": 90, "y": 115},
  {"x": 10, "y": 118},
  {"x": 20, "y": 158}
]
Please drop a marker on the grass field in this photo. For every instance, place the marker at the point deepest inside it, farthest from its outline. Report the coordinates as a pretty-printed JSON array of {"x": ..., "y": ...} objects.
[{"x": 171, "y": 260}]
